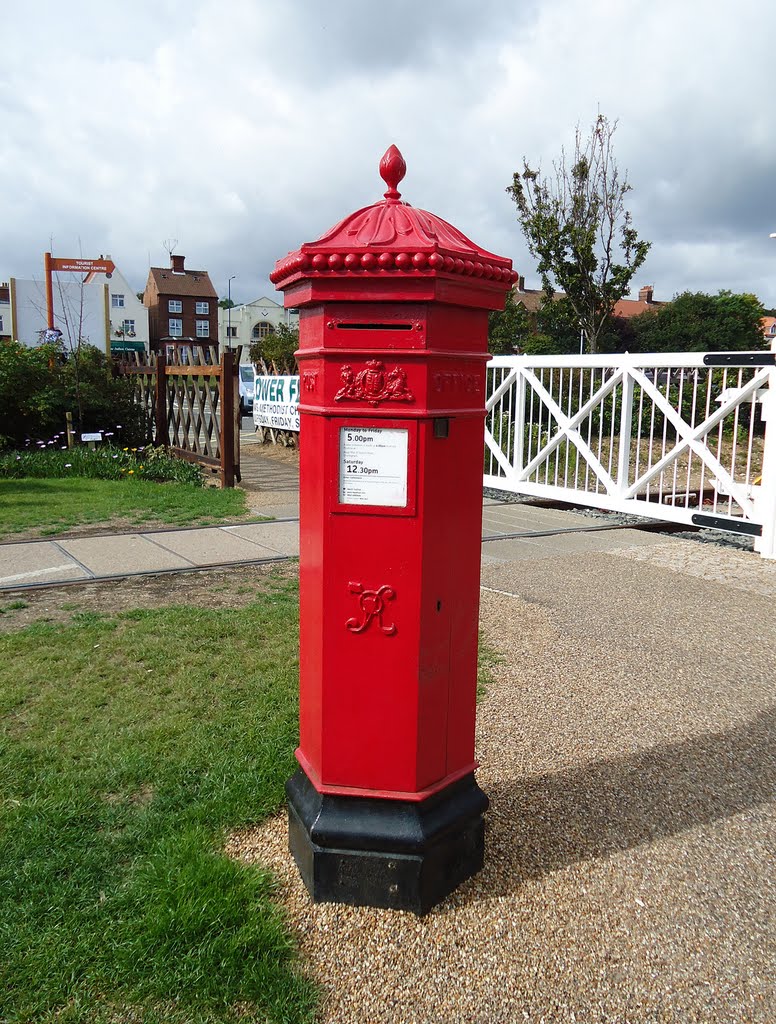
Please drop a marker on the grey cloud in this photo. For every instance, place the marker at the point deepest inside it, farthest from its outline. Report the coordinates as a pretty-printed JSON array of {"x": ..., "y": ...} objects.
[{"x": 331, "y": 40}]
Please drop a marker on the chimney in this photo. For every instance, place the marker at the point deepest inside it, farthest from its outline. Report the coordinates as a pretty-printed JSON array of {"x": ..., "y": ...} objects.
[
  {"x": 646, "y": 293},
  {"x": 521, "y": 283},
  {"x": 176, "y": 263}
]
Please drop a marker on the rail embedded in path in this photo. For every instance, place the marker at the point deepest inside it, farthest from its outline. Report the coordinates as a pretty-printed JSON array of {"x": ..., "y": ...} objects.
[{"x": 680, "y": 437}]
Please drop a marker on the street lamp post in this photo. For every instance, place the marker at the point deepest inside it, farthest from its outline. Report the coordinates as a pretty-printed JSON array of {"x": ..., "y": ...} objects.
[{"x": 229, "y": 311}]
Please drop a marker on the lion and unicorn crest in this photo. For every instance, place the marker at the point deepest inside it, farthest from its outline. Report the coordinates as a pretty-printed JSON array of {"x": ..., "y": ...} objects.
[{"x": 373, "y": 384}]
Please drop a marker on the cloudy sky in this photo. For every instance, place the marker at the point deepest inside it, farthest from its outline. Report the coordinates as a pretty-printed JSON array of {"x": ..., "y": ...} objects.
[{"x": 242, "y": 128}]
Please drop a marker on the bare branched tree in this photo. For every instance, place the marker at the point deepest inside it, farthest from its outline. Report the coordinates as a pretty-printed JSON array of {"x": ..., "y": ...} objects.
[
  {"x": 71, "y": 322},
  {"x": 578, "y": 229}
]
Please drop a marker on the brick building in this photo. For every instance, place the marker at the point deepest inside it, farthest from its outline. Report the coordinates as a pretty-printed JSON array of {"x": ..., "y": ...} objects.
[
  {"x": 6, "y": 317},
  {"x": 181, "y": 304}
]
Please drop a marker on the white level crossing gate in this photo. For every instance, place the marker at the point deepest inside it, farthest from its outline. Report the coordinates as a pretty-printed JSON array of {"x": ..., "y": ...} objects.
[{"x": 680, "y": 437}]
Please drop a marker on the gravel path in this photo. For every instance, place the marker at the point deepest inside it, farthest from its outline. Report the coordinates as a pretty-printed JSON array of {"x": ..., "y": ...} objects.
[{"x": 627, "y": 748}]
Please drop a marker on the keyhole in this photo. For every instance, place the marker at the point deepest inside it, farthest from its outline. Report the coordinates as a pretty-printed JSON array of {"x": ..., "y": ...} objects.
[{"x": 439, "y": 606}]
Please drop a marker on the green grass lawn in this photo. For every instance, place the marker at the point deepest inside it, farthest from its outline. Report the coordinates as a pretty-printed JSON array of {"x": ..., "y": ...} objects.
[
  {"x": 130, "y": 744},
  {"x": 52, "y": 506}
]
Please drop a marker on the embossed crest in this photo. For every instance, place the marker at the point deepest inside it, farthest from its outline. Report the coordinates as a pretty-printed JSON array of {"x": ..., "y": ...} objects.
[{"x": 373, "y": 384}]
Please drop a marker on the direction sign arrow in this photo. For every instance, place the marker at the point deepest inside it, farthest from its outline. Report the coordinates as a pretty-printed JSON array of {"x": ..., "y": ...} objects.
[{"x": 78, "y": 266}]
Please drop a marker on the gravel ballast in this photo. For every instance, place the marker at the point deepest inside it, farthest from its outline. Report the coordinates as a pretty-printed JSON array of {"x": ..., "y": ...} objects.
[{"x": 627, "y": 748}]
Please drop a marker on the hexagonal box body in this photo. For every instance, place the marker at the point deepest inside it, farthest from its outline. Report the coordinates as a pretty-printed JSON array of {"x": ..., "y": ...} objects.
[{"x": 393, "y": 344}]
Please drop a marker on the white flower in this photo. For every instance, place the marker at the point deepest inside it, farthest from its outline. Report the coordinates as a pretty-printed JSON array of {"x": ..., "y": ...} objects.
[{"x": 68, "y": 465}]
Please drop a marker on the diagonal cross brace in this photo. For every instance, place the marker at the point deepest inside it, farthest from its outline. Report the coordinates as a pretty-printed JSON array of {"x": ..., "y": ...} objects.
[
  {"x": 567, "y": 428},
  {"x": 691, "y": 437}
]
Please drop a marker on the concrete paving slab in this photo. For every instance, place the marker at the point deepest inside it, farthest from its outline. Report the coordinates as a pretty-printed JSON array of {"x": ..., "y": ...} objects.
[
  {"x": 281, "y": 538},
  {"x": 518, "y": 550},
  {"x": 211, "y": 546},
  {"x": 118, "y": 554},
  {"x": 566, "y": 545},
  {"x": 519, "y": 518},
  {"x": 37, "y": 562}
]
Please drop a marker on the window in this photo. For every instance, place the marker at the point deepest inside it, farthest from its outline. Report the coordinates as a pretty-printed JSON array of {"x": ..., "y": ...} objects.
[
  {"x": 203, "y": 308},
  {"x": 176, "y": 328},
  {"x": 1, "y": 325},
  {"x": 175, "y": 306},
  {"x": 203, "y": 329},
  {"x": 773, "y": 328},
  {"x": 129, "y": 328},
  {"x": 231, "y": 332},
  {"x": 117, "y": 301},
  {"x": 262, "y": 330}
]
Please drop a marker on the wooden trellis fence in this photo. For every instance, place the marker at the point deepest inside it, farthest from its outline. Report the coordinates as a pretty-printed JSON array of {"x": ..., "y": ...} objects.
[{"x": 189, "y": 399}]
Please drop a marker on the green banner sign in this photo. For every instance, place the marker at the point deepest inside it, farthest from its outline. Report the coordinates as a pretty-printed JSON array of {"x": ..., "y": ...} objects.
[{"x": 125, "y": 345}]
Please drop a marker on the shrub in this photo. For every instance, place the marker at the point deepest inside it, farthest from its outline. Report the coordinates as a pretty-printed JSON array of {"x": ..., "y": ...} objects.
[{"x": 39, "y": 386}]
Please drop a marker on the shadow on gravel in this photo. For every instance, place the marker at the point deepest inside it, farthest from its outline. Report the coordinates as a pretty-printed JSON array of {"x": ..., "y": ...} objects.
[{"x": 538, "y": 825}]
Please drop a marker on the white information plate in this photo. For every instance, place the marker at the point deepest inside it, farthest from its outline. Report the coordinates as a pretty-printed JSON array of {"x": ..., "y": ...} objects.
[{"x": 373, "y": 466}]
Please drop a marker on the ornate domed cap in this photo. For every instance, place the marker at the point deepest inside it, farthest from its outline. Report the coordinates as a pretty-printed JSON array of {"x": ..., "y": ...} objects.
[{"x": 389, "y": 237}]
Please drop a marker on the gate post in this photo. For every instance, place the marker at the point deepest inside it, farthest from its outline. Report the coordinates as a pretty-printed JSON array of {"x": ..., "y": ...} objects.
[
  {"x": 226, "y": 384},
  {"x": 160, "y": 401},
  {"x": 385, "y": 810},
  {"x": 765, "y": 503}
]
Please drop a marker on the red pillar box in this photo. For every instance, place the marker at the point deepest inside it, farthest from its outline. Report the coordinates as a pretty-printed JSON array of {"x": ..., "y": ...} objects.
[{"x": 394, "y": 302}]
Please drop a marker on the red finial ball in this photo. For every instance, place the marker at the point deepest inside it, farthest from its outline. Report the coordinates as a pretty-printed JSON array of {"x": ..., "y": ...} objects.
[{"x": 392, "y": 170}]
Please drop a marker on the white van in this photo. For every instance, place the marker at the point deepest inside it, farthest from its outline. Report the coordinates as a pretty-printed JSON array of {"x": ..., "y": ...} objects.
[{"x": 247, "y": 386}]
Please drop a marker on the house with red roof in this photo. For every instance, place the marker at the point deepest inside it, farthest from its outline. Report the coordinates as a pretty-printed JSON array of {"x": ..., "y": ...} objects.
[
  {"x": 181, "y": 304},
  {"x": 532, "y": 299},
  {"x": 628, "y": 308},
  {"x": 769, "y": 329}
]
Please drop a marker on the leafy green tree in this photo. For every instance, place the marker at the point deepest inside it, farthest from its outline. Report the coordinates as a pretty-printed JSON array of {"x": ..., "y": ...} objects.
[
  {"x": 226, "y": 303},
  {"x": 574, "y": 224},
  {"x": 509, "y": 328},
  {"x": 277, "y": 347},
  {"x": 557, "y": 327},
  {"x": 697, "y": 322}
]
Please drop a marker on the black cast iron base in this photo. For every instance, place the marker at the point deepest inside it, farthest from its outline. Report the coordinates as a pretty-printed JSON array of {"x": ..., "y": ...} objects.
[{"x": 399, "y": 854}]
